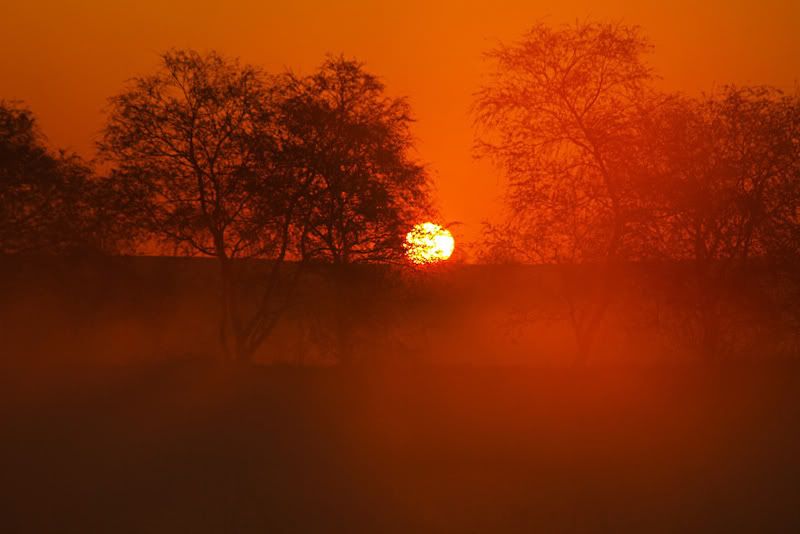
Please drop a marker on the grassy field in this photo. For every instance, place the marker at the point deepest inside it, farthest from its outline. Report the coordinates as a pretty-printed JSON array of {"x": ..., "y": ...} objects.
[{"x": 193, "y": 447}]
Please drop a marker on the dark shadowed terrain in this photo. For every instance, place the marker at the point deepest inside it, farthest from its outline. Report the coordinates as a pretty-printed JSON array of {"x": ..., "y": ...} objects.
[
  {"x": 197, "y": 448},
  {"x": 117, "y": 415}
]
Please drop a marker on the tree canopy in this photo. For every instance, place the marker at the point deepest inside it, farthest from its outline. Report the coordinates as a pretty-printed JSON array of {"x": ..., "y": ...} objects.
[
  {"x": 221, "y": 159},
  {"x": 50, "y": 202},
  {"x": 355, "y": 142}
]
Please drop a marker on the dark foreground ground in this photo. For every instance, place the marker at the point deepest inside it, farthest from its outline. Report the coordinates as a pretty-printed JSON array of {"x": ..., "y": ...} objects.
[{"x": 201, "y": 448}]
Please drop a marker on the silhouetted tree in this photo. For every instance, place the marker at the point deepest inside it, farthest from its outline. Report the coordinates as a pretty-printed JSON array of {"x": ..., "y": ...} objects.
[
  {"x": 50, "y": 203},
  {"x": 560, "y": 115},
  {"x": 727, "y": 169},
  {"x": 726, "y": 184},
  {"x": 197, "y": 144},
  {"x": 356, "y": 141},
  {"x": 367, "y": 191}
]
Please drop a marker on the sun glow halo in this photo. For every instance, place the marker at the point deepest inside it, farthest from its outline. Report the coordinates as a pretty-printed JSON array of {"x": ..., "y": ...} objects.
[{"x": 429, "y": 243}]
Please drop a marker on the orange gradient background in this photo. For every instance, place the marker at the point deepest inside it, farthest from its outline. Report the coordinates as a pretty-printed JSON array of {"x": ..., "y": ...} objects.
[{"x": 65, "y": 58}]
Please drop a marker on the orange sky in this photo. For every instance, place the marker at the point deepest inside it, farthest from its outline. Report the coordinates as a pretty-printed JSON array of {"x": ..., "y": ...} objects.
[{"x": 64, "y": 58}]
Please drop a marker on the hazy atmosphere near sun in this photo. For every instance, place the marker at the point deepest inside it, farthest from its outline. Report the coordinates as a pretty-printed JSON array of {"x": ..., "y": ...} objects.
[
  {"x": 65, "y": 58},
  {"x": 419, "y": 266}
]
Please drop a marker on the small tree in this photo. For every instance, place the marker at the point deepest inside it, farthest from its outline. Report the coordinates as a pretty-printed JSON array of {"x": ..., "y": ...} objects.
[{"x": 197, "y": 143}]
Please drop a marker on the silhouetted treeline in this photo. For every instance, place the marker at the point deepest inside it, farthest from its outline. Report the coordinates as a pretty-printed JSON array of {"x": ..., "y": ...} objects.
[
  {"x": 661, "y": 213},
  {"x": 226, "y": 161},
  {"x": 207, "y": 156},
  {"x": 604, "y": 169}
]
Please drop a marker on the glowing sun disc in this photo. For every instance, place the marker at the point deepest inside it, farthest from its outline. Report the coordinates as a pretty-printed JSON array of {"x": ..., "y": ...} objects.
[{"x": 428, "y": 243}]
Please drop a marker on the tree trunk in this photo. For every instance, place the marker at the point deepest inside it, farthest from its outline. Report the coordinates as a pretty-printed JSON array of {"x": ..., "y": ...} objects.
[
  {"x": 232, "y": 338},
  {"x": 586, "y": 320},
  {"x": 343, "y": 319}
]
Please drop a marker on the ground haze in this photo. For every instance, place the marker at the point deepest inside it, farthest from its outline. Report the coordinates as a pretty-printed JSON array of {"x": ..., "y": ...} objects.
[{"x": 118, "y": 415}]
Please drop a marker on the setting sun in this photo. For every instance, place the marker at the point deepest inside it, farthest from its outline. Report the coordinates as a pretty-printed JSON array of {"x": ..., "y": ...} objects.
[{"x": 429, "y": 243}]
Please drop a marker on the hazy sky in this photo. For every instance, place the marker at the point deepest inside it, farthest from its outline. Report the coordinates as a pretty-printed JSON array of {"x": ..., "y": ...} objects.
[{"x": 64, "y": 58}]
